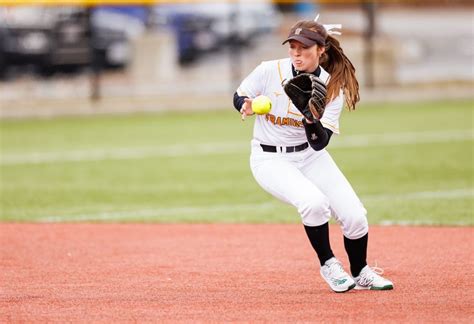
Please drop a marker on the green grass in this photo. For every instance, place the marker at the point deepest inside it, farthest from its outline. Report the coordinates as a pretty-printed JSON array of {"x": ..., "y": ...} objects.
[{"x": 165, "y": 167}]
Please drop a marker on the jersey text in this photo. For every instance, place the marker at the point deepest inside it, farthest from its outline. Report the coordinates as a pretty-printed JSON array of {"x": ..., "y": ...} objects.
[{"x": 283, "y": 121}]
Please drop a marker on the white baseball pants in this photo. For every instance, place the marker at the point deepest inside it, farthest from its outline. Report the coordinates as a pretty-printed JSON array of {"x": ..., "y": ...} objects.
[{"x": 311, "y": 181}]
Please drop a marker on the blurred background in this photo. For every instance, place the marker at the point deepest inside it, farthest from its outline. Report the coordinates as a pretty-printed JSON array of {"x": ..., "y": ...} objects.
[
  {"x": 124, "y": 112},
  {"x": 156, "y": 55}
]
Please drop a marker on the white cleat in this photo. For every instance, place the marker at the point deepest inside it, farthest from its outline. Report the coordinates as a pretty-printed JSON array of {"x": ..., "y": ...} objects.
[
  {"x": 369, "y": 279},
  {"x": 333, "y": 273}
]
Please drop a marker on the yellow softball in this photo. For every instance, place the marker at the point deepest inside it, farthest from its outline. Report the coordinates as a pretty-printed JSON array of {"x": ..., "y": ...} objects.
[{"x": 261, "y": 105}]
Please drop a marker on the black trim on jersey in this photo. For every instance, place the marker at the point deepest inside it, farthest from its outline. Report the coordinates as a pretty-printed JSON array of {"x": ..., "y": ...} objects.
[
  {"x": 238, "y": 101},
  {"x": 318, "y": 136},
  {"x": 295, "y": 72}
]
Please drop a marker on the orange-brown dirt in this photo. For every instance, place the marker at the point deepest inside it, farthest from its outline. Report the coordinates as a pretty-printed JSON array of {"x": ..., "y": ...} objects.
[{"x": 152, "y": 272}]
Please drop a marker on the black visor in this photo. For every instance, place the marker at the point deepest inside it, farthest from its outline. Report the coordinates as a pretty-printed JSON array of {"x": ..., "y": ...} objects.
[{"x": 306, "y": 37}]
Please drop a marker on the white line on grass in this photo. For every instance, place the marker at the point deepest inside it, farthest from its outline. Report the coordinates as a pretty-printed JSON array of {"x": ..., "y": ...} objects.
[
  {"x": 404, "y": 138},
  {"x": 160, "y": 212},
  {"x": 420, "y": 195},
  {"x": 419, "y": 223},
  {"x": 123, "y": 153},
  {"x": 195, "y": 210},
  {"x": 226, "y": 148}
]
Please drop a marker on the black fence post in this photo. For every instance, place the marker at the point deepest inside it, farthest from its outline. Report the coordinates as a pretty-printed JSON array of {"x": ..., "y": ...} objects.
[
  {"x": 369, "y": 51},
  {"x": 235, "y": 50},
  {"x": 95, "y": 93}
]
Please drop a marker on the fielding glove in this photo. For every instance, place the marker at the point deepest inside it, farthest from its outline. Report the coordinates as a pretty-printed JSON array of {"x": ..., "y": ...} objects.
[{"x": 308, "y": 94}]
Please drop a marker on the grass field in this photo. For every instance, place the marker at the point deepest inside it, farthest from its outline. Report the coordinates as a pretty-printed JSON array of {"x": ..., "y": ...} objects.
[{"x": 410, "y": 163}]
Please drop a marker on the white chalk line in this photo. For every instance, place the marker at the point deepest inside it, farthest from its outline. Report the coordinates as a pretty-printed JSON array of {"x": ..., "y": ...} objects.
[
  {"x": 156, "y": 213},
  {"x": 404, "y": 138},
  {"x": 420, "y": 223},
  {"x": 176, "y": 150},
  {"x": 160, "y": 212},
  {"x": 420, "y": 195},
  {"x": 122, "y": 153}
]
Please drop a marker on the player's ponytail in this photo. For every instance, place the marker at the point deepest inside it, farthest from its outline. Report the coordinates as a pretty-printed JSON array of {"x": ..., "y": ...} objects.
[
  {"x": 342, "y": 73},
  {"x": 333, "y": 60}
]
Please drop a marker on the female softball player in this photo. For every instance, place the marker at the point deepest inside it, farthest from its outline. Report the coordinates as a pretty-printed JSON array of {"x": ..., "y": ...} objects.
[{"x": 288, "y": 156}]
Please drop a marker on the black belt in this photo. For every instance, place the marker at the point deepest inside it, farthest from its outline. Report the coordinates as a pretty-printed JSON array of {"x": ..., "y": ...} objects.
[{"x": 288, "y": 149}]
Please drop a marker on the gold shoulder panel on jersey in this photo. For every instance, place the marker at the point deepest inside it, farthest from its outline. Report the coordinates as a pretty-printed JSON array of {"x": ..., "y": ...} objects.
[
  {"x": 279, "y": 71},
  {"x": 332, "y": 128},
  {"x": 292, "y": 113}
]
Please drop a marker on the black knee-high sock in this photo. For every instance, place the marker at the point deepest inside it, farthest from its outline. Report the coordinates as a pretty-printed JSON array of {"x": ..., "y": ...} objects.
[
  {"x": 319, "y": 238},
  {"x": 357, "y": 253}
]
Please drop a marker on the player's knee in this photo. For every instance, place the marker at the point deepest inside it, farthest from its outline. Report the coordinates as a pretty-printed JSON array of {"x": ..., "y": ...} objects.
[
  {"x": 315, "y": 211},
  {"x": 356, "y": 227}
]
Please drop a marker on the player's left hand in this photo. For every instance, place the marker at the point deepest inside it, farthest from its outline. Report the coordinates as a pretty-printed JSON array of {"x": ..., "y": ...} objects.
[
  {"x": 246, "y": 109},
  {"x": 308, "y": 93}
]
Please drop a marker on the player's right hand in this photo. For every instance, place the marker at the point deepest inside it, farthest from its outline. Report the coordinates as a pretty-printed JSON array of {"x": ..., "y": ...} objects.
[{"x": 246, "y": 109}]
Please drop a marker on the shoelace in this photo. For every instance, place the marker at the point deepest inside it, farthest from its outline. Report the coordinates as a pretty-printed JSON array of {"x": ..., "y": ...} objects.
[
  {"x": 376, "y": 269},
  {"x": 369, "y": 277},
  {"x": 336, "y": 267}
]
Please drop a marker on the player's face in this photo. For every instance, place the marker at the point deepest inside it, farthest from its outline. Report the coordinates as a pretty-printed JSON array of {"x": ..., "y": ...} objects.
[{"x": 304, "y": 58}]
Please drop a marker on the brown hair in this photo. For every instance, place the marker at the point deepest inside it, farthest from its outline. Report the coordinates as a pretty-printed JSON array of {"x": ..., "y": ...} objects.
[{"x": 336, "y": 63}]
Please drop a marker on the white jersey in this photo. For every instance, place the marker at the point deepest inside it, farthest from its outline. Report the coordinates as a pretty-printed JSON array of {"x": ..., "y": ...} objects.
[{"x": 283, "y": 125}]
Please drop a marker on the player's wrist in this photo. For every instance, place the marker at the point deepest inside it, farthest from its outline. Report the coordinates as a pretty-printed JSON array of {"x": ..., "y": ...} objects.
[{"x": 310, "y": 120}]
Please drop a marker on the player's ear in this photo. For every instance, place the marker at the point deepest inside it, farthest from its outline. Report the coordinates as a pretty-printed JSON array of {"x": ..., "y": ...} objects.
[{"x": 321, "y": 50}]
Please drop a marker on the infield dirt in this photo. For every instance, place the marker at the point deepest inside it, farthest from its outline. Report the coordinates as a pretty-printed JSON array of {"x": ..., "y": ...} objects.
[{"x": 225, "y": 272}]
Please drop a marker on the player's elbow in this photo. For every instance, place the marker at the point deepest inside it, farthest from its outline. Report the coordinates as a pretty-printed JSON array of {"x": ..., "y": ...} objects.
[
  {"x": 318, "y": 146},
  {"x": 321, "y": 141},
  {"x": 318, "y": 137}
]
